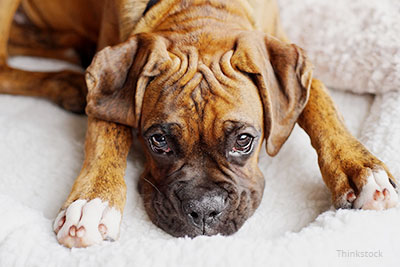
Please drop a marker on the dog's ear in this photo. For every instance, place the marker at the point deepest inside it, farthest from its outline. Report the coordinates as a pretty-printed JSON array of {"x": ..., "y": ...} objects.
[
  {"x": 118, "y": 76},
  {"x": 283, "y": 77}
]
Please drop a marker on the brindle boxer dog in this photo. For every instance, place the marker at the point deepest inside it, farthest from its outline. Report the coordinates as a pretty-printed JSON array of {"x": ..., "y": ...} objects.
[{"x": 203, "y": 82}]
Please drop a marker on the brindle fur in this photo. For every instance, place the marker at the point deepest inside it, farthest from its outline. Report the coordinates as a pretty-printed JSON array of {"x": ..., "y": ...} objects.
[{"x": 232, "y": 73}]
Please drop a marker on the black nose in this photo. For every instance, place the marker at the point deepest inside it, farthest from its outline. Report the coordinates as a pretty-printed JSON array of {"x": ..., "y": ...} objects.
[{"x": 204, "y": 210}]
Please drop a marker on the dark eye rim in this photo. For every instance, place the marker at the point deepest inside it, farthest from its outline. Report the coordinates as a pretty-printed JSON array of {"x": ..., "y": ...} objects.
[
  {"x": 157, "y": 147},
  {"x": 241, "y": 149}
]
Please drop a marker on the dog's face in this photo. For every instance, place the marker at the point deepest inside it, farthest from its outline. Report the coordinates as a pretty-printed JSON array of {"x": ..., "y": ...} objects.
[
  {"x": 202, "y": 140},
  {"x": 201, "y": 115}
]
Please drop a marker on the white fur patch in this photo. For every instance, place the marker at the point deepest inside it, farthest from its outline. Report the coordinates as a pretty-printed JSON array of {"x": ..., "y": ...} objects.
[
  {"x": 377, "y": 193},
  {"x": 82, "y": 221}
]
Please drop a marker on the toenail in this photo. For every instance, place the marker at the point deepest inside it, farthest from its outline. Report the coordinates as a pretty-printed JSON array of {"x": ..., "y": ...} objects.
[
  {"x": 386, "y": 193},
  {"x": 102, "y": 229},
  {"x": 72, "y": 231},
  {"x": 377, "y": 195},
  {"x": 351, "y": 197},
  {"x": 80, "y": 232}
]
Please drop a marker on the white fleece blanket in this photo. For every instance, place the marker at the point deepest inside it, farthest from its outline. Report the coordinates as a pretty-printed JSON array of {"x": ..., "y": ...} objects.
[{"x": 41, "y": 152}]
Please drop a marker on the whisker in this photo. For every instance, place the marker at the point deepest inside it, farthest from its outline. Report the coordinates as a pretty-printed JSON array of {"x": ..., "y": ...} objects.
[{"x": 155, "y": 187}]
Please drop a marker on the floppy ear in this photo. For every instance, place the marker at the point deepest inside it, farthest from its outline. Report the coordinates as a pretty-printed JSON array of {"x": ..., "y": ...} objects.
[
  {"x": 283, "y": 77},
  {"x": 118, "y": 76}
]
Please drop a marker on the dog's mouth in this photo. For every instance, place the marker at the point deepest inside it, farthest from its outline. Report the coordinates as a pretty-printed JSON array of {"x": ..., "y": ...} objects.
[{"x": 199, "y": 210}]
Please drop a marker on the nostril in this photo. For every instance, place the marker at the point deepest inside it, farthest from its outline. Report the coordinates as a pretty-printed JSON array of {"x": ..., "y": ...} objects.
[
  {"x": 214, "y": 214},
  {"x": 194, "y": 215},
  {"x": 195, "y": 218}
]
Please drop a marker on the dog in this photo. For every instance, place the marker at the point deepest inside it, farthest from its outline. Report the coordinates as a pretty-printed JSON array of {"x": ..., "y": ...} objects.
[{"x": 202, "y": 83}]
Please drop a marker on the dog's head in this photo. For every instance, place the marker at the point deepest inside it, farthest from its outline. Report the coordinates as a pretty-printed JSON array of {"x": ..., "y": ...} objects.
[{"x": 201, "y": 114}]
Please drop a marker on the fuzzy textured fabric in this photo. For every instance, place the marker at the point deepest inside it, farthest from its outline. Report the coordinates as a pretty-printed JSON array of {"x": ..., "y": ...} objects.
[
  {"x": 381, "y": 130},
  {"x": 41, "y": 152},
  {"x": 354, "y": 45}
]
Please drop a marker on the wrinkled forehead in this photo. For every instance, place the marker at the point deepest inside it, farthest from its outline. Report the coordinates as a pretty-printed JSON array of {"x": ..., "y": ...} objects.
[{"x": 201, "y": 92}]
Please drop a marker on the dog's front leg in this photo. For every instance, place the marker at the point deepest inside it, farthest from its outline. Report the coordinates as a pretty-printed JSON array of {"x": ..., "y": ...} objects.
[
  {"x": 94, "y": 207},
  {"x": 355, "y": 177}
]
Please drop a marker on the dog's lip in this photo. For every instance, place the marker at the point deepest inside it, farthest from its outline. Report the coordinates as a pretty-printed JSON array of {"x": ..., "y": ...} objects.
[
  {"x": 228, "y": 225},
  {"x": 171, "y": 218}
]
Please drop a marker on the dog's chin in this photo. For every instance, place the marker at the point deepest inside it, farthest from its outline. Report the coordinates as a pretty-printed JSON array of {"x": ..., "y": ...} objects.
[
  {"x": 193, "y": 232},
  {"x": 178, "y": 227}
]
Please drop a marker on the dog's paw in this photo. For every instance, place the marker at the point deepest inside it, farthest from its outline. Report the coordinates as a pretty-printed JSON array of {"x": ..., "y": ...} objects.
[
  {"x": 71, "y": 90},
  {"x": 378, "y": 193},
  {"x": 85, "y": 223},
  {"x": 372, "y": 189}
]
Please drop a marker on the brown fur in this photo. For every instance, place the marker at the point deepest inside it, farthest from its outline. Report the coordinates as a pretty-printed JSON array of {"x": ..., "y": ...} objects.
[
  {"x": 343, "y": 160},
  {"x": 196, "y": 63},
  {"x": 102, "y": 175}
]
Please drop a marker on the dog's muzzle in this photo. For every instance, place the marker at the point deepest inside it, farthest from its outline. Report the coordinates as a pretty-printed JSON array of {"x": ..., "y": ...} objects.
[{"x": 193, "y": 209}]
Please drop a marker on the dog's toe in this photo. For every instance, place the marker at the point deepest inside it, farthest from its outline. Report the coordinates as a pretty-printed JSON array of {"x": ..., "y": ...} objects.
[
  {"x": 85, "y": 223},
  {"x": 378, "y": 193}
]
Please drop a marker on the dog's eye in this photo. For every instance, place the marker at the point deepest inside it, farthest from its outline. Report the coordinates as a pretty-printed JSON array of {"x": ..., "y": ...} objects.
[
  {"x": 243, "y": 144},
  {"x": 159, "y": 144}
]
